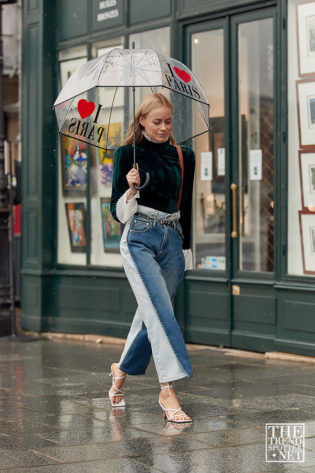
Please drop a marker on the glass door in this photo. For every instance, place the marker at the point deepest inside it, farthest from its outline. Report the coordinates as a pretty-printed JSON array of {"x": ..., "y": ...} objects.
[
  {"x": 231, "y": 299},
  {"x": 238, "y": 79}
]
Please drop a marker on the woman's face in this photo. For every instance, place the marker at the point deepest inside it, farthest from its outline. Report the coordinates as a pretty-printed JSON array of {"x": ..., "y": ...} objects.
[{"x": 157, "y": 124}]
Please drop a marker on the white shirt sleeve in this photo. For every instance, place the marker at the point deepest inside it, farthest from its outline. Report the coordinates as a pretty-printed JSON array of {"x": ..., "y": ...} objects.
[
  {"x": 126, "y": 209},
  {"x": 188, "y": 259}
]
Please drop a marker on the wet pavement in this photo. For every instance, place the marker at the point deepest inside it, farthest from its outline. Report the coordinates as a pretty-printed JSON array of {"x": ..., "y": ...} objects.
[{"x": 55, "y": 415}]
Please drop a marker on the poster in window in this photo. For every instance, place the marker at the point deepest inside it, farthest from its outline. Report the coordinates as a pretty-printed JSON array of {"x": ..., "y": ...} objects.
[
  {"x": 217, "y": 146},
  {"x": 307, "y": 232},
  {"x": 306, "y": 37},
  {"x": 76, "y": 218},
  {"x": 306, "y": 112},
  {"x": 112, "y": 230},
  {"x": 106, "y": 156},
  {"x": 307, "y": 176},
  {"x": 74, "y": 165}
]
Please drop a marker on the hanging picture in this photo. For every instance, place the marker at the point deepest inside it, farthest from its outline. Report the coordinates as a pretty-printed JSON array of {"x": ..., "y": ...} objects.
[
  {"x": 306, "y": 37},
  {"x": 76, "y": 225},
  {"x": 307, "y": 232},
  {"x": 307, "y": 176},
  {"x": 306, "y": 112},
  {"x": 112, "y": 230},
  {"x": 106, "y": 157},
  {"x": 74, "y": 165}
]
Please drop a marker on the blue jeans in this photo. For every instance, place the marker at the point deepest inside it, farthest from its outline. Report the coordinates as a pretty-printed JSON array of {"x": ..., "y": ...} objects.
[{"x": 154, "y": 264}]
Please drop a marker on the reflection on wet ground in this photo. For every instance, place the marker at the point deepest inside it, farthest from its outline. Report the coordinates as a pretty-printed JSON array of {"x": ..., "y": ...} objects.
[{"x": 55, "y": 416}]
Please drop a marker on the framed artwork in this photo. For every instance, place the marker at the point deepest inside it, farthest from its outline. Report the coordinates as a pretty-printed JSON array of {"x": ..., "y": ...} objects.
[
  {"x": 307, "y": 232},
  {"x": 112, "y": 230},
  {"x": 307, "y": 177},
  {"x": 75, "y": 212},
  {"x": 74, "y": 165},
  {"x": 106, "y": 157},
  {"x": 305, "y": 19},
  {"x": 306, "y": 112}
]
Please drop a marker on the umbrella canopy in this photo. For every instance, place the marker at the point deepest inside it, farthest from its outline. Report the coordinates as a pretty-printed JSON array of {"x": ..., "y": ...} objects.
[{"x": 94, "y": 106}]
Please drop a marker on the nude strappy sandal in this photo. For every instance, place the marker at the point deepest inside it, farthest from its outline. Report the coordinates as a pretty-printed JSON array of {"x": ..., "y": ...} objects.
[
  {"x": 118, "y": 391},
  {"x": 175, "y": 413}
]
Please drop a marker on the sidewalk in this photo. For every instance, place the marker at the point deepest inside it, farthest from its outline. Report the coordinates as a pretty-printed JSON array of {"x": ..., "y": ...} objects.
[{"x": 55, "y": 415}]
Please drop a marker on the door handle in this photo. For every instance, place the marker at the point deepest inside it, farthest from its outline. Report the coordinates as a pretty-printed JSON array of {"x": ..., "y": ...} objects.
[
  {"x": 234, "y": 233},
  {"x": 243, "y": 211}
]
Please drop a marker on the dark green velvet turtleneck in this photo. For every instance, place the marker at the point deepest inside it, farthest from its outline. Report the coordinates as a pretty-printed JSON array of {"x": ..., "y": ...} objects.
[{"x": 162, "y": 162}]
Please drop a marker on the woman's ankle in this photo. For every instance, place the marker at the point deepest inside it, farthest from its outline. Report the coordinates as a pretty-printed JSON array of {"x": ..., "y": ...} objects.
[
  {"x": 120, "y": 371},
  {"x": 168, "y": 390}
]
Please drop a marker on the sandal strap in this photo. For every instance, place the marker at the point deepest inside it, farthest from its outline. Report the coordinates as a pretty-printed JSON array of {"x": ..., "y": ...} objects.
[
  {"x": 174, "y": 409},
  {"x": 168, "y": 385},
  {"x": 118, "y": 391}
]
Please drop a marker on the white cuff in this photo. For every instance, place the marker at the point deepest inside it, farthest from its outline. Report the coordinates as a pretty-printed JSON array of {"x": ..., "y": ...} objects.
[
  {"x": 188, "y": 259},
  {"x": 126, "y": 209}
]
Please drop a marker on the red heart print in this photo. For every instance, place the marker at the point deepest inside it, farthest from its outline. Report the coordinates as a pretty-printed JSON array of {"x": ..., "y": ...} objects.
[
  {"x": 85, "y": 108},
  {"x": 182, "y": 74}
]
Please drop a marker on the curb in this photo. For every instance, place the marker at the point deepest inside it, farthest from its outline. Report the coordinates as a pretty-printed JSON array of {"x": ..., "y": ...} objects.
[{"x": 271, "y": 355}]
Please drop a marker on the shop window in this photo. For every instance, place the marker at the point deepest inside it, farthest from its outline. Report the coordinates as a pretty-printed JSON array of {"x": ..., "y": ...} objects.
[
  {"x": 105, "y": 231},
  {"x": 72, "y": 178},
  {"x": 87, "y": 233},
  {"x": 158, "y": 40},
  {"x": 301, "y": 138}
]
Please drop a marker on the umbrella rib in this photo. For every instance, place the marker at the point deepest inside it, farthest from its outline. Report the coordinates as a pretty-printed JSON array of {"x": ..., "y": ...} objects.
[{"x": 110, "y": 115}]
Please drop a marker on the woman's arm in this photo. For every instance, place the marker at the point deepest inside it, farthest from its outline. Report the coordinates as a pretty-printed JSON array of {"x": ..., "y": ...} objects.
[
  {"x": 186, "y": 203},
  {"x": 123, "y": 203}
]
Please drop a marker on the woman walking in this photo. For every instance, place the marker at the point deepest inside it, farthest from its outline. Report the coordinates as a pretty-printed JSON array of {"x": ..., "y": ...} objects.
[{"x": 155, "y": 248}]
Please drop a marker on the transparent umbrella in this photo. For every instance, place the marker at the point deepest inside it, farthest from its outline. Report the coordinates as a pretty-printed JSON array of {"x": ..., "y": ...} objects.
[{"x": 98, "y": 101}]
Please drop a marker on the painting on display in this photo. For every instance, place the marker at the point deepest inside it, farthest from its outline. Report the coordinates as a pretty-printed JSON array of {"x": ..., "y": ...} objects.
[
  {"x": 74, "y": 165},
  {"x": 307, "y": 175},
  {"x": 112, "y": 230},
  {"x": 307, "y": 233},
  {"x": 106, "y": 157},
  {"x": 306, "y": 37},
  {"x": 75, "y": 212},
  {"x": 306, "y": 112}
]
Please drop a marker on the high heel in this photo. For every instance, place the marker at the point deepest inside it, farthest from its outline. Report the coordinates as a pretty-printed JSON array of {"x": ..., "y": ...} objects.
[
  {"x": 170, "y": 416},
  {"x": 118, "y": 391}
]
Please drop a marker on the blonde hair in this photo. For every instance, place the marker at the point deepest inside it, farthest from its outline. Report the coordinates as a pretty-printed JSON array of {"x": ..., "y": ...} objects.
[{"x": 149, "y": 103}]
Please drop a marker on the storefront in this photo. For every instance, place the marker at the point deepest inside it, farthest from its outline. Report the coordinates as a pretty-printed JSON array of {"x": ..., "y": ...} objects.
[{"x": 253, "y": 232}]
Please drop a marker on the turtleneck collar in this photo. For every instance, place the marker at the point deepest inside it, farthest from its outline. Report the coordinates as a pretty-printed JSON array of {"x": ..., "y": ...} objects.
[{"x": 153, "y": 141}]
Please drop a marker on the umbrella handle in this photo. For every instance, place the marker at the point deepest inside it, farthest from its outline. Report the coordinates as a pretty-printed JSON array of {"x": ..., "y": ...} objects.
[{"x": 147, "y": 180}]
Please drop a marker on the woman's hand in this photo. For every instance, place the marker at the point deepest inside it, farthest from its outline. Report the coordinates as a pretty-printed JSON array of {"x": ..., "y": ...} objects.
[{"x": 133, "y": 177}]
